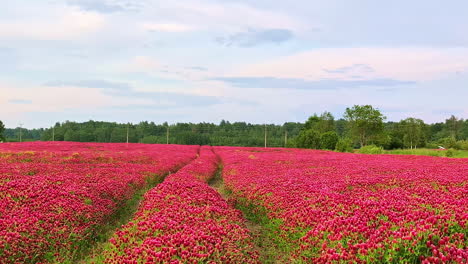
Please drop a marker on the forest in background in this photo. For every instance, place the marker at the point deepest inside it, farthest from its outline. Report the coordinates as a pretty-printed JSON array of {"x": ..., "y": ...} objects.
[{"x": 360, "y": 126}]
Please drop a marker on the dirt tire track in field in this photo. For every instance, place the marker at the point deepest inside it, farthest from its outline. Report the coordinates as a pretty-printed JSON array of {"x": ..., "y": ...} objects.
[
  {"x": 263, "y": 243},
  {"x": 123, "y": 216}
]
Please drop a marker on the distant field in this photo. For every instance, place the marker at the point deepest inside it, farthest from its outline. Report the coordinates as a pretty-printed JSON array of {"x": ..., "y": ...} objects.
[{"x": 430, "y": 152}]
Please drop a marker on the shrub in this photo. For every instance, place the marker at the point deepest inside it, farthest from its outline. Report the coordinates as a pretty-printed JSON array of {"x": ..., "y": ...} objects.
[
  {"x": 371, "y": 149},
  {"x": 344, "y": 145},
  {"x": 328, "y": 140},
  {"x": 309, "y": 139},
  {"x": 432, "y": 145},
  {"x": 450, "y": 153},
  {"x": 449, "y": 142},
  {"x": 461, "y": 145}
]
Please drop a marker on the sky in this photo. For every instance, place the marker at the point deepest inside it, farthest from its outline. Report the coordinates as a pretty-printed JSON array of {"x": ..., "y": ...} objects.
[{"x": 259, "y": 61}]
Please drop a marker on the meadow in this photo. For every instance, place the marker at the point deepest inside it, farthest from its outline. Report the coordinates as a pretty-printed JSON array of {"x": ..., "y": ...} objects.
[
  {"x": 136, "y": 203},
  {"x": 453, "y": 153}
]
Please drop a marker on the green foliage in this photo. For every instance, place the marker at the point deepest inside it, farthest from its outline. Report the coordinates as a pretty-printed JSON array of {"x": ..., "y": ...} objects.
[
  {"x": 449, "y": 153},
  {"x": 328, "y": 140},
  {"x": 365, "y": 123},
  {"x": 344, "y": 145},
  {"x": 395, "y": 142},
  {"x": 151, "y": 140},
  {"x": 309, "y": 139},
  {"x": 318, "y": 132},
  {"x": 191, "y": 138},
  {"x": 371, "y": 149},
  {"x": 71, "y": 135},
  {"x": 226, "y": 133},
  {"x": 448, "y": 142},
  {"x": 2, "y": 130},
  {"x": 323, "y": 123},
  {"x": 413, "y": 132},
  {"x": 454, "y": 127},
  {"x": 461, "y": 145},
  {"x": 429, "y": 152},
  {"x": 275, "y": 242}
]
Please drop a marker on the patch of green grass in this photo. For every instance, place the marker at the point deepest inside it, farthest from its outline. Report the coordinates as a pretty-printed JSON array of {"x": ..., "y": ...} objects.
[
  {"x": 88, "y": 251},
  {"x": 430, "y": 152},
  {"x": 266, "y": 232}
]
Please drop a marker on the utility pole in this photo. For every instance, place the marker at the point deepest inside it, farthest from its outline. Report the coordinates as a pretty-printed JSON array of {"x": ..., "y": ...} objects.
[
  {"x": 167, "y": 134},
  {"x": 53, "y": 133},
  {"x": 128, "y": 124},
  {"x": 21, "y": 127},
  {"x": 285, "y": 138},
  {"x": 265, "y": 135}
]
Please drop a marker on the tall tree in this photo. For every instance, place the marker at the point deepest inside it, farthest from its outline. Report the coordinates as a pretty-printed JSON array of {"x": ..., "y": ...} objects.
[
  {"x": 413, "y": 132},
  {"x": 318, "y": 132},
  {"x": 454, "y": 126},
  {"x": 365, "y": 123},
  {"x": 323, "y": 123}
]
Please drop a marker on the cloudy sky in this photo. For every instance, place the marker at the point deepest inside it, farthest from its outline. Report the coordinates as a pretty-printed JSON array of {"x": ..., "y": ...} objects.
[{"x": 239, "y": 60}]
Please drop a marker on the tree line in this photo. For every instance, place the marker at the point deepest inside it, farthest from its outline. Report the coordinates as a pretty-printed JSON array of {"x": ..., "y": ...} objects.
[
  {"x": 364, "y": 125},
  {"x": 361, "y": 125}
]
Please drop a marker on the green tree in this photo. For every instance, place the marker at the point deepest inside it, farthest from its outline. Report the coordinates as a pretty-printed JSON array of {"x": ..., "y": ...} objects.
[
  {"x": 365, "y": 123},
  {"x": 454, "y": 126},
  {"x": 87, "y": 135},
  {"x": 309, "y": 139},
  {"x": 328, "y": 140},
  {"x": 464, "y": 131},
  {"x": 119, "y": 135},
  {"x": 71, "y": 135},
  {"x": 314, "y": 129},
  {"x": 323, "y": 123},
  {"x": 2, "y": 130},
  {"x": 341, "y": 127},
  {"x": 413, "y": 132},
  {"x": 152, "y": 140}
]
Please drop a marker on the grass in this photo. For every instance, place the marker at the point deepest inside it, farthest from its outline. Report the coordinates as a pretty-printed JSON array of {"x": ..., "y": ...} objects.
[
  {"x": 88, "y": 250},
  {"x": 268, "y": 238},
  {"x": 430, "y": 152}
]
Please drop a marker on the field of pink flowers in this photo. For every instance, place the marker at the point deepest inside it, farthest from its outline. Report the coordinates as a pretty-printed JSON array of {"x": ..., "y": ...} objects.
[
  {"x": 313, "y": 206},
  {"x": 184, "y": 220},
  {"x": 325, "y": 207},
  {"x": 54, "y": 197}
]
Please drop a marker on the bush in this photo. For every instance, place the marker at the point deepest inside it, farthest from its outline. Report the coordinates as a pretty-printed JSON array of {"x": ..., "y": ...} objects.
[
  {"x": 309, "y": 139},
  {"x": 344, "y": 145},
  {"x": 448, "y": 142},
  {"x": 432, "y": 145},
  {"x": 461, "y": 145},
  {"x": 328, "y": 140},
  {"x": 371, "y": 149},
  {"x": 450, "y": 153}
]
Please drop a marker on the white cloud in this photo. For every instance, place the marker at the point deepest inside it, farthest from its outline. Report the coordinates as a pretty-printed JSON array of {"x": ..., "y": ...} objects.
[
  {"x": 143, "y": 64},
  {"x": 55, "y": 99},
  {"x": 167, "y": 27},
  {"x": 226, "y": 16},
  {"x": 155, "y": 68},
  {"x": 64, "y": 25},
  {"x": 414, "y": 64}
]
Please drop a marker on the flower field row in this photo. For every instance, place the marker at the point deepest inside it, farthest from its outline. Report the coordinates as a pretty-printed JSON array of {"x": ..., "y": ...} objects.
[
  {"x": 340, "y": 207},
  {"x": 54, "y": 198},
  {"x": 184, "y": 220}
]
